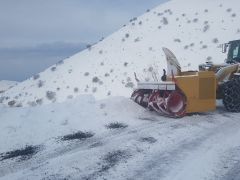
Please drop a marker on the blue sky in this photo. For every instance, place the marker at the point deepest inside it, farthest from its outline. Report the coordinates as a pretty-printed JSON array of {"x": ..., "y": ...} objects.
[{"x": 27, "y": 25}]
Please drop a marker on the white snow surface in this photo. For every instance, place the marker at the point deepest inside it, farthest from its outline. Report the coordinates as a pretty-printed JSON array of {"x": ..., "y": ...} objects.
[
  {"x": 5, "y": 85},
  {"x": 192, "y": 29},
  {"x": 201, "y": 147},
  {"x": 118, "y": 139}
]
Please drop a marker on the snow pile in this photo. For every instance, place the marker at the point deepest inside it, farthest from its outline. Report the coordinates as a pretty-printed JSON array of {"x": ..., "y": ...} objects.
[{"x": 192, "y": 29}]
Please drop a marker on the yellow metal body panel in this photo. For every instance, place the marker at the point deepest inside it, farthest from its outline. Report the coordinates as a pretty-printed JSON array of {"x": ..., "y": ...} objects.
[{"x": 200, "y": 90}]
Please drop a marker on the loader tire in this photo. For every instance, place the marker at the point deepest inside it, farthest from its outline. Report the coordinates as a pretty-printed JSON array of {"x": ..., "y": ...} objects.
[{"x": 231, "y": 95}]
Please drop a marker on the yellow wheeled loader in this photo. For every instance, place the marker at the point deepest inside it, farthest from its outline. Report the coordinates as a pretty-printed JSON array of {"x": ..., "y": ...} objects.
[{"x": 183, "y": 92}]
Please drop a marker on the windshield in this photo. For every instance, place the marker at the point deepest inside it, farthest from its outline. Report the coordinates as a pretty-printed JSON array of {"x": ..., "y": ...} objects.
[{"x": 234, "y": 51}]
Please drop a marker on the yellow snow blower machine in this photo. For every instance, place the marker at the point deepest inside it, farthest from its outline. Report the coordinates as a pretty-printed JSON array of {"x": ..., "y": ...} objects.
[{"x": 180, "y": 93}]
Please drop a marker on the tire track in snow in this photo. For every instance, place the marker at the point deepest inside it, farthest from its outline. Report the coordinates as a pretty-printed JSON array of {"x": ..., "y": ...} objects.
[
  {"x": 131, "y": 134},
  {"x": 175, "y": 140},
  {"x": 230, "y": 165},
  {"x": 62, "y": 148},
  {"x": 233, "y": 173},
  {"x": 180, "y": 161}
]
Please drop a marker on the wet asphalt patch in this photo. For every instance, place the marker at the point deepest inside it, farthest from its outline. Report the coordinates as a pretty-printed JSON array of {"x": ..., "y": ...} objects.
[
  {"x": 108, "y": 161},
  {"x": 150, "y": 140},
  {"x": 77, "y": 136},
  {"x": 23, "y": 154},
  {"x": 111, "y": 159},
  {"x": 116, "y": 125}
]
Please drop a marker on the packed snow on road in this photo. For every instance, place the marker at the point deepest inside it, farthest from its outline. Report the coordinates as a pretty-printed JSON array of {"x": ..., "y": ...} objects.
[{"x": 116, "y": 139}]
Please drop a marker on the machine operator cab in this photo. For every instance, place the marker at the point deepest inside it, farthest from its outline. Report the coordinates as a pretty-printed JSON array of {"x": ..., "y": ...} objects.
[{"x": 233, "y": 49}]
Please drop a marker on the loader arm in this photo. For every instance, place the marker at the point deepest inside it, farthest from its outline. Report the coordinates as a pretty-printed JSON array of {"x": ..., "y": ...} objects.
[{"x": 227, "y": 72}]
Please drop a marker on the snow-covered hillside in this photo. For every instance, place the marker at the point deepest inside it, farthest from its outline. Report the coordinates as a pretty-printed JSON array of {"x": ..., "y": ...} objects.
[
  {"x": 5, "y": 85},
  {"x": 192, "y": 29}
]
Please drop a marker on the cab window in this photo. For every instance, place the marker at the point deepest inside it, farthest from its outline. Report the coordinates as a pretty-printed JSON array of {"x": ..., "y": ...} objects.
[{"x": 235, "y": 51}]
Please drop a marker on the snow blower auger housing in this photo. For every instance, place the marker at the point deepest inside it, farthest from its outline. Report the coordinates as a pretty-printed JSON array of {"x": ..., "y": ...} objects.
[{"x": 181, "y": 93}]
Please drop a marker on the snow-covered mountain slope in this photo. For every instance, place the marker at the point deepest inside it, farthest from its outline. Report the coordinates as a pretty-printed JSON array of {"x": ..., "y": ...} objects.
[
  {"x": 5, "y": 85},
  {"x": 192, "y": 29}
]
